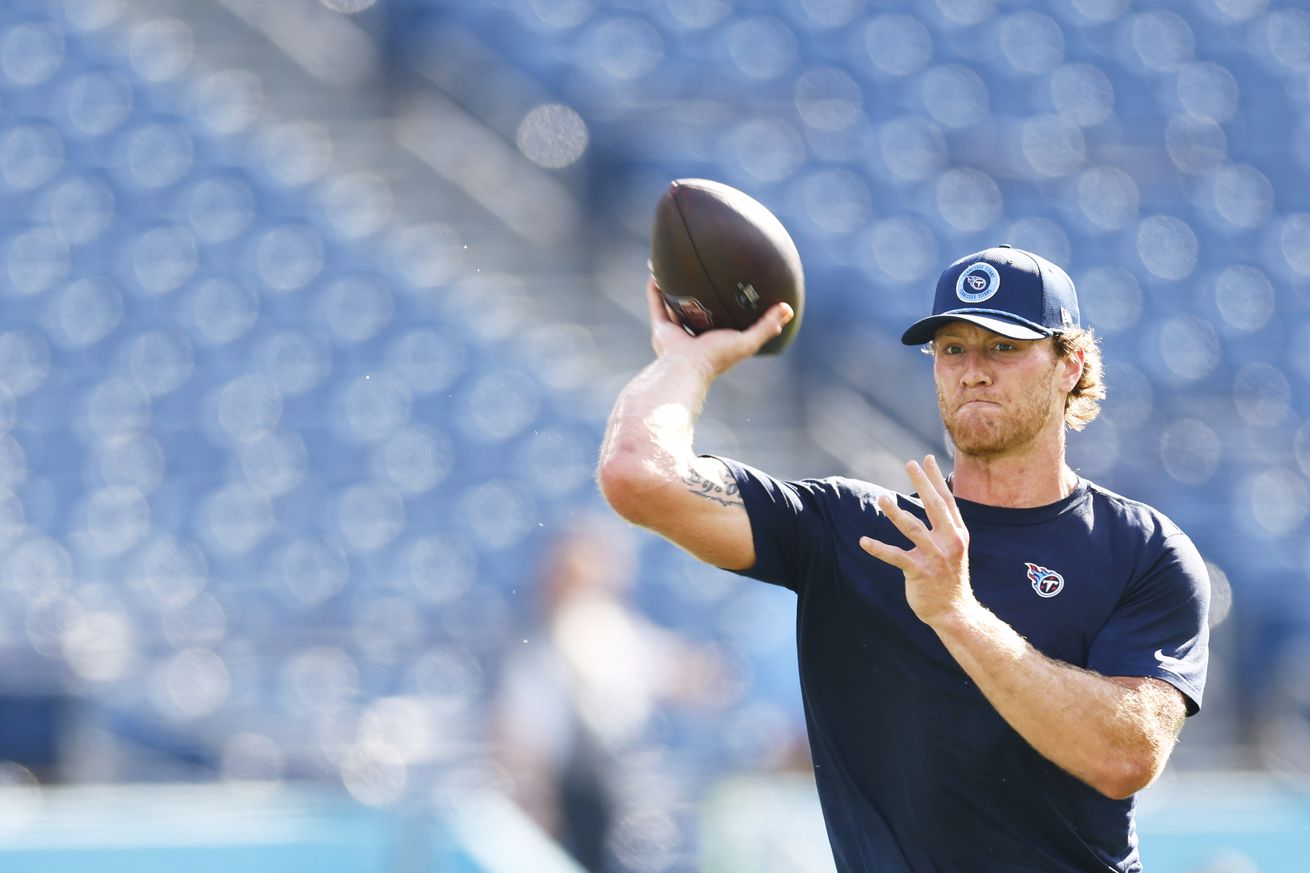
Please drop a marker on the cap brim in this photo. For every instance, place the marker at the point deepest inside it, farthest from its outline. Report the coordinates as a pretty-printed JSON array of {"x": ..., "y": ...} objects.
[{"x": 923, "y": 330}]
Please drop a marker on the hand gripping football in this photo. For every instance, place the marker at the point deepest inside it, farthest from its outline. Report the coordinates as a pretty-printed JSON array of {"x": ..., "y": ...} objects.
[{"x": 721, "y": 259}]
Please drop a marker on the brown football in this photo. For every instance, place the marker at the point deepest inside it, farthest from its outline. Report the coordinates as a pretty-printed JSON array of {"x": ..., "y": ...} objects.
[{"x": 721, "y": 259}]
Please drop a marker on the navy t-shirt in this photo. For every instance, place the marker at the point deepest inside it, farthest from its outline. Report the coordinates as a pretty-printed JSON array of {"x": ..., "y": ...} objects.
[{"x": 916, "y": 771}]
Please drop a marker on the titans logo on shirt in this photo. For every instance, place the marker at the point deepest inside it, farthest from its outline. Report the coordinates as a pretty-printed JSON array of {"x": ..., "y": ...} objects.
[{"x": 1047, "y": 583}]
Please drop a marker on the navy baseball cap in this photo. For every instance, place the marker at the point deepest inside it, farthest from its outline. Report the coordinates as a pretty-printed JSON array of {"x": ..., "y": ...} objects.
[{"x": 1006, "y": 290}]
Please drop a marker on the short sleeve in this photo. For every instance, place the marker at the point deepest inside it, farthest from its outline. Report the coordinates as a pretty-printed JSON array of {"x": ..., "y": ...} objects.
[
  {"x": 1161, "y": 626},
  {"x": 789, "y": 525}
]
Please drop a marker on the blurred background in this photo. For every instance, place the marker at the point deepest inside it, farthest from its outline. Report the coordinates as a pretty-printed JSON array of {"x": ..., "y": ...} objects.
[{"x": 312, "y": 314}]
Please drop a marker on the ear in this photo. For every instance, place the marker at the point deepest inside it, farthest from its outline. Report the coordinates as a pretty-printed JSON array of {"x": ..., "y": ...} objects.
[{"x": 1071, "y": 369}]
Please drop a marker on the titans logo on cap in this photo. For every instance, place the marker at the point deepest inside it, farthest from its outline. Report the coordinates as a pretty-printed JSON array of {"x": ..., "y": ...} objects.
[{"x": 977, "y": 283}]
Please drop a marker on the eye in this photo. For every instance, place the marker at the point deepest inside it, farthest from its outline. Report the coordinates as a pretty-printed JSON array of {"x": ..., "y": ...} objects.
[
  {"x": 952, "y": 349},
  {"x": 1006, "y": 347}
]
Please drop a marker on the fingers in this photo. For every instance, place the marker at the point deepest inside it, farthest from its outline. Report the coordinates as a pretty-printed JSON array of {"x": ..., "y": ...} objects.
[
  {"x": 728, "y": 346},
  {"x": 765, "y": 328},
  {"x": 949, "y": 535},
  {"x": 907, "y": 523},
  {"x": 898, "y": 558},
  {"x": 938, "y": 501},
  {"x": 938, "y": 480},
  {"x": 939, "y": 515},
  {"x": 659, "y": 312},
  {"x": 768, "y": 325},
  {"x": 940, "y": 506},
  {"x": 775, "y": 319}
]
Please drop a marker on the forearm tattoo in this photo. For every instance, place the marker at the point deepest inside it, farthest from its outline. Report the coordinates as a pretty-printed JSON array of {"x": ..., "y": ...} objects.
[{"x": 723, "y": 492}]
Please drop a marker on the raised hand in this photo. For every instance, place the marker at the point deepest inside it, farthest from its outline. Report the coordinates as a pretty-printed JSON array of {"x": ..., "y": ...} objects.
[
  {"x": 717, "y": 351},
  {"x": 937, "y": 568}
]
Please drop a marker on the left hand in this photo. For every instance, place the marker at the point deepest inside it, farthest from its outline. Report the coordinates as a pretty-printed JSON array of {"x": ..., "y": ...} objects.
[{"x": 936, "y": 570}]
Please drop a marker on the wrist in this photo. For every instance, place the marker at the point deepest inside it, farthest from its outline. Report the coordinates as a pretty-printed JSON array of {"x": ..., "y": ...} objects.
[
  {"x": 971, "y": 628},
  {"x": 696, "y": 365},
  {"x": 963, "y": 619}
]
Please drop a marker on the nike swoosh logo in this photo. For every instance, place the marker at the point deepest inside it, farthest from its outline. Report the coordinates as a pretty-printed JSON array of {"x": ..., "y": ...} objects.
[{"x": 1166, "y": 660}]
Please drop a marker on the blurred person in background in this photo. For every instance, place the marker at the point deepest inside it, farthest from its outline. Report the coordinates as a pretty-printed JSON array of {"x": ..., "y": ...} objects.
[
  {"x": 582, "y": 686},
  {"x": 993, "y": 666}
]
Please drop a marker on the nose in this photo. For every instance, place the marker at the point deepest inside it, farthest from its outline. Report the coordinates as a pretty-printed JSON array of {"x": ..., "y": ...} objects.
[{"x": 974, "y": 372}]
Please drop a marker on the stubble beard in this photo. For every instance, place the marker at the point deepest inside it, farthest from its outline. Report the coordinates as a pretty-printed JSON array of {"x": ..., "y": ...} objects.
[{"x": 992, "y": 433}]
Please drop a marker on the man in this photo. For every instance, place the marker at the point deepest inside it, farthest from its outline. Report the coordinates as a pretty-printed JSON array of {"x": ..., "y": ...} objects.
[{"x": 991, "y": 668}]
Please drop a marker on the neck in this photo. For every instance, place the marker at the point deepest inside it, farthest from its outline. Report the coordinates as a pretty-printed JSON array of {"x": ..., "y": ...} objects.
[{"x": 1014, "y": 481}]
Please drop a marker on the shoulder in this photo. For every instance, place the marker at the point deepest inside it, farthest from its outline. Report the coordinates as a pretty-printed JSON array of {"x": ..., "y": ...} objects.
[
  {"x": 796, "y": 524},
  {"x": 1166, "y": 545},
  {"x": 1134, "y": 513},
  {"x": 837, "y": 491},
  {"x": 852, "y": 490}
]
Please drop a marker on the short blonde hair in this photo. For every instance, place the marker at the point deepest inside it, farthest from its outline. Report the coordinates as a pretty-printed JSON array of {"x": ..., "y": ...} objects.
[{"x": 1084, "y": 402}]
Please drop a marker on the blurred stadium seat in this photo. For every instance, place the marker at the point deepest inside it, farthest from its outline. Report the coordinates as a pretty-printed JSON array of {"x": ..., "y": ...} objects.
[{"x": 254, "y": 456}]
